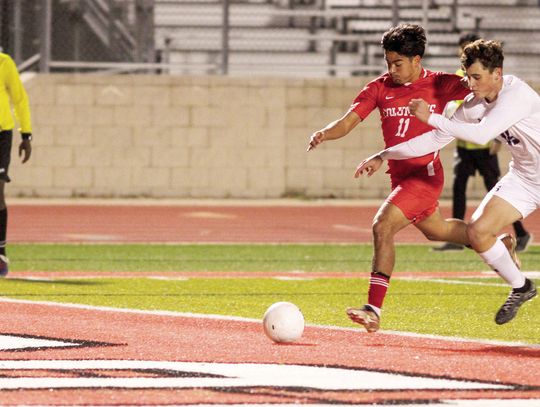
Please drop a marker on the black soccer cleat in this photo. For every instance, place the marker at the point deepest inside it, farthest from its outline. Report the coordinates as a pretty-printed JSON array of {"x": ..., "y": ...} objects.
[
  {"x": 515, "y": 299},
  {"x": 3, "y": 265},
  {"x": 523, "y": 242}
]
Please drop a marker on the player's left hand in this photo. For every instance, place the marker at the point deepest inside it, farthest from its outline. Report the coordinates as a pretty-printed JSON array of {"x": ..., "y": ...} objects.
[
  {"x": 420, "y": 109},
  {"x": 370, "y": 165},
  {"x": 25, "y": 150}
]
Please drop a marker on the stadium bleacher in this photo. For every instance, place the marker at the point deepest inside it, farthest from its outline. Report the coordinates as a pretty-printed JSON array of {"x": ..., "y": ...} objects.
[{"x": 337, "y": 37}]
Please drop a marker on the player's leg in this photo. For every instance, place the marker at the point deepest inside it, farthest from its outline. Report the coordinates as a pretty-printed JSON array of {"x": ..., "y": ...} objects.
[
  {"x": 493, "y": 215},
  {"x": 387, "y": 222},
  {"x": 3, "y": 231},
  {"x": 463, "y": 169},
  {"x": 523, "y": 237},
  {"x": 5, "y": 158},
  {"x": 436, "y": 228},
  {"x": 503, "y": 205},
  {"x": 411, "y": 200},
  {"x": 488, "y": 166}
]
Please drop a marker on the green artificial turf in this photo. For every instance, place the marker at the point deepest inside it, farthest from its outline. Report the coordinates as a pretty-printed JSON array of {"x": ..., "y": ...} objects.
[
  {"x": 450, "y": 309},
  {"x": 219, "y": 257}
]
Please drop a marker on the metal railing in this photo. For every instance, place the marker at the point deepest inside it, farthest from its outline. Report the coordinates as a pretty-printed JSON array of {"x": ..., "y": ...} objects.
[{"x": 116, "y": 36}]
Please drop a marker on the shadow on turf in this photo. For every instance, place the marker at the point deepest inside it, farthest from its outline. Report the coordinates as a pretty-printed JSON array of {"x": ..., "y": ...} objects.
[
  {"x": 509, "y": 351},
  {"x": 294, "y": 344},
  {"x": 47, "y": 281},
  {"x": 521, "y": 351}
]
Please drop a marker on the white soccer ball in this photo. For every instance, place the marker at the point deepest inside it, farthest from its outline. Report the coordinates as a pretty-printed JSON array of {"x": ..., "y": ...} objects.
[{"x": 283, "y": 322}]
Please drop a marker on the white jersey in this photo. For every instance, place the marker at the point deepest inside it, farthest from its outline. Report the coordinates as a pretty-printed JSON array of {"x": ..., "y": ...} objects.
[{"x": 514, "y": 117}]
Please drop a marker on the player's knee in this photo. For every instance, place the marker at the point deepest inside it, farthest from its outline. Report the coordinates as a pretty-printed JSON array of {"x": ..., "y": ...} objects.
[
  {"x": 476, "y": 232},
  {"x": 381, "y": 229}
]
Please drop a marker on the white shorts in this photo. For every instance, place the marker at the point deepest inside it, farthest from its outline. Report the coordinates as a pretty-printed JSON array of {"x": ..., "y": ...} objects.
[{"x": 518, "y": 193}]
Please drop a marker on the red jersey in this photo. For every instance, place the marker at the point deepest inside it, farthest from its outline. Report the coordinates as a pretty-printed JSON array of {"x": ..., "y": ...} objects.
[{"x": 398, "y": 124}]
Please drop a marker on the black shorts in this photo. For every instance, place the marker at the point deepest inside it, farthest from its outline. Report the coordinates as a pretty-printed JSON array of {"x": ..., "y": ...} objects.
[
  {"x": 467, "y": 162},
  {"x": 6, "y": 137}
]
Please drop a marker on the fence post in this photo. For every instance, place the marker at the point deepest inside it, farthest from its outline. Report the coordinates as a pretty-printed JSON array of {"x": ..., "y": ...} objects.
[
  {"x": 425, "y": 14},
  {"x": 395, "y": 12},
  {"x": 144, "y": 30},
  {"x": 46, "y": 37},
  {"x": 17, "y": 32},
  {"x": 225, "y": 39}
]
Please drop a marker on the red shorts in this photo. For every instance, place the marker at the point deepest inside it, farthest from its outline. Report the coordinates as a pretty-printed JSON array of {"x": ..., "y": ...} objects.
[{"x": 417, "y": 196}]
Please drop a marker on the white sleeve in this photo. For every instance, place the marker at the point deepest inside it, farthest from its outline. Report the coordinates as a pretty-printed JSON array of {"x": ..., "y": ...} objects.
[
  {"x": 416, "y": 147},
  {"x": 511, "y": 107}
]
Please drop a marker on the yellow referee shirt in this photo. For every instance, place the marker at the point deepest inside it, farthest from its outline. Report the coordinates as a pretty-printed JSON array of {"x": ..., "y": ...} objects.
[{"x": 12, "y": 93}]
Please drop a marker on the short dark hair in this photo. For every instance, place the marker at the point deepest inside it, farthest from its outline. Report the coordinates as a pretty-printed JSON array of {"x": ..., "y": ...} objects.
[
  {"x": 467, "y": 38},
  {"x": 405, "y": 39},
  {"x": 488, "y": 53}
]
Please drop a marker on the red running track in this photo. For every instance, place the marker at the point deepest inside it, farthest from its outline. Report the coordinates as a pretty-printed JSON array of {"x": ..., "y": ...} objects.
[{"x": 309, "y": 223}]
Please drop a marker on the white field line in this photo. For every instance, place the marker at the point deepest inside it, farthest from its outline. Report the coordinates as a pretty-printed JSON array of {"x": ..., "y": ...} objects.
[
  {"x": 302, "y": 274},
  {"x": 279, "y": 202},
  {"x": 308, "y": 277},
  {"x": 444, "y": 403},
  {"x": 443, "y": 281},
  {"x": 259, "y": 321}
]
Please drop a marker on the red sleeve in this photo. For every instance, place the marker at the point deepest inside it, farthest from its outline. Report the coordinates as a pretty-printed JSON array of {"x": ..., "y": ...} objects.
[
  {"x": 366, "y": 100},
  {"x": 452, "y": 87}
]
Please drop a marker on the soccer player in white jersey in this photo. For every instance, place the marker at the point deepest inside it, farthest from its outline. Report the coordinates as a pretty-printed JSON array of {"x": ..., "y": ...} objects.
[{"x": 499, "y": 106}]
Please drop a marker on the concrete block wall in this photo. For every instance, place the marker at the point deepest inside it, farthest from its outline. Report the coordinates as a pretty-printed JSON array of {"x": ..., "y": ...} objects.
[{"x": 196, "y": 137}]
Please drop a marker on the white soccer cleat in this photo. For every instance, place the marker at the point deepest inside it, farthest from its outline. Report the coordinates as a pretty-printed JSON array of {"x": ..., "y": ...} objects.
[{"x": 365, "y": 316}]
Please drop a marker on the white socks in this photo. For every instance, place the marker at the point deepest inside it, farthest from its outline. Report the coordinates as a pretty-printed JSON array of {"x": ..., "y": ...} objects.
[
  {"x": 499, "y": 259},
  {"x": 375, "y": 309}
]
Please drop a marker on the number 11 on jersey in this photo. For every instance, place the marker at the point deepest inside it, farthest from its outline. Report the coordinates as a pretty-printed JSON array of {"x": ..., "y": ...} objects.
[{"x": 403, "y": 127}]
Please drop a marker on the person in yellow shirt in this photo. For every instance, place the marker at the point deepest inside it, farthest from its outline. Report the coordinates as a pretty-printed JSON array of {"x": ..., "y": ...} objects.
[
  {"x": 469, "y": 158},
  {"x": 13, "y": 106}
]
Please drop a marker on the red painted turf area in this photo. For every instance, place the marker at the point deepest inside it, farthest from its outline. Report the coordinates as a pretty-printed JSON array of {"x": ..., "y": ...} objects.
[
  {"x": 174, "y": 338},
  {"x": 202, "y": 223}
]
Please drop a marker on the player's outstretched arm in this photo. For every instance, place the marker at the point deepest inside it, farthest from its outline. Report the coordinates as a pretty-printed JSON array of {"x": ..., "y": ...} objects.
[
  {"x": 510, "y": 107},
  {"x": 334, "y": 130},
  {"x": 416, "y": 147}
]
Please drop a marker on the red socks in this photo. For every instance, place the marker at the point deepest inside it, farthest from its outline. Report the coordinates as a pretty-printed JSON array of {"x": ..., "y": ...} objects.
[{"x": 378, "y": 285}]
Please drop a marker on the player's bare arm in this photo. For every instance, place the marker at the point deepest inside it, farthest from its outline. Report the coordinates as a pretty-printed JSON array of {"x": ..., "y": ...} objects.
[
  {"x": 370, "y": 165},
  {"x": 416, "y": 147},
  {"x": 420, "y": 109},
  {"x": 337, "y": 129}
]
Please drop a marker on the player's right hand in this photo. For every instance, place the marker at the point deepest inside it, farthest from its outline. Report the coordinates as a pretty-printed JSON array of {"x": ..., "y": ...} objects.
[
  {"x": 25, "y": 150},
  {"x": 316, "y": 139},
  {"x": 420, "y": 109},
  {"x": 370, "y": 165}
]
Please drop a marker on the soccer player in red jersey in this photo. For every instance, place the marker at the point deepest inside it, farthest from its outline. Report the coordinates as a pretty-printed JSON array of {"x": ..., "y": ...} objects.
[{"x": 416, "y": 183}]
